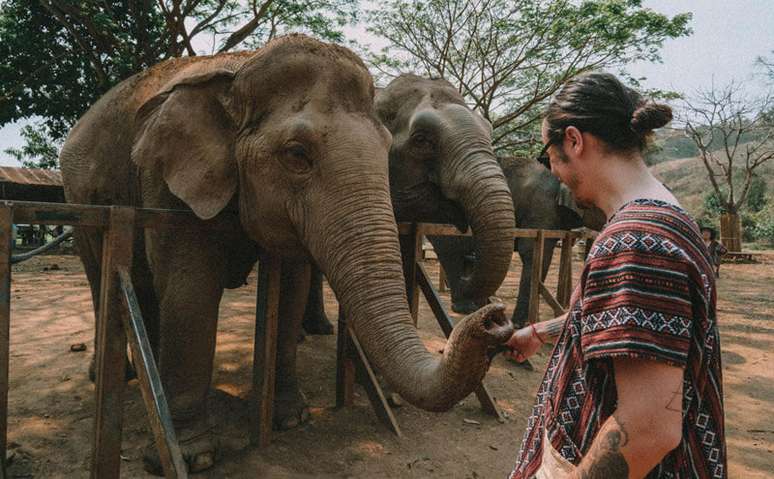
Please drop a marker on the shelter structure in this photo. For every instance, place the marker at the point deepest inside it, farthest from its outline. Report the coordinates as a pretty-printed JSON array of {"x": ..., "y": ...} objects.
[{"x": 31, "y": 184}]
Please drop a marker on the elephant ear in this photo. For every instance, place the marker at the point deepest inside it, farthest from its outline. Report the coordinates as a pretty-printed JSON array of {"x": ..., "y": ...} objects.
[
  {"x": 186, "y": 133},
  {"x": 385, "y": 110}
]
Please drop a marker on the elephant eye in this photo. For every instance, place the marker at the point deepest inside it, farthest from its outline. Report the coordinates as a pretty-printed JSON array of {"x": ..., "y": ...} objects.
[
  {"x": 296, "y": 157},
  {"x": 422, "y": 141}
]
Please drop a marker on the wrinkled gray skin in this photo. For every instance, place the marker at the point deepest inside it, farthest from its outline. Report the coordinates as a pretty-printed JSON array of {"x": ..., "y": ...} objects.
[
  {"x": 286, "y": 138},
  {"x": 442, "y": 170},
  {"x": 535, "y": 193}
]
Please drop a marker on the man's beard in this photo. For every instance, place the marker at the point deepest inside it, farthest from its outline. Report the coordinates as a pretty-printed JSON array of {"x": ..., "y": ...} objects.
[{"x": 573, "y": 183}]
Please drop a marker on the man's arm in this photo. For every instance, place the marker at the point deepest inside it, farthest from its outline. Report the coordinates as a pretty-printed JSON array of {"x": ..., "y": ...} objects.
[
  {"x": 646, "y": 425},
  {"x": 526, "y": 341}
]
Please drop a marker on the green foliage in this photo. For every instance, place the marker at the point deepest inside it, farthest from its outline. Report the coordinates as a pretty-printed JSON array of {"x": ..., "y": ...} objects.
[
  {"x": 756, "y": 198},
  {"x": 713, "y": 205},
  {"x": 763, "y": 228},
  {"x": 39, "y": 151},
  {"x": 45, "y": 71},
  {"x": 60, "y": 56},
  {"x": 507, "y": 57}
]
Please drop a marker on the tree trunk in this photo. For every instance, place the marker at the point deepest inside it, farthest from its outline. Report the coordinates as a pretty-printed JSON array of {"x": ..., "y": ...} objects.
[{"x": 731, "y": 231}]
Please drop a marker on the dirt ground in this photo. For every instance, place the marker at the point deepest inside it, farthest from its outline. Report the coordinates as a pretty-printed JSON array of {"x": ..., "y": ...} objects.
[{"x": 51, "y": 399}]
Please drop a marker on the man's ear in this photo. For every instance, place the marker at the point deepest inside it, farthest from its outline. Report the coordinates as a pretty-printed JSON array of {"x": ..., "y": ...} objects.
[{"x": 573, "y": 141}]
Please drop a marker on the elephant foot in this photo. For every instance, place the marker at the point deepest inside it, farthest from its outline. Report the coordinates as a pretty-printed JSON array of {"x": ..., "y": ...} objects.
[
  {"x": 197, "y": 445},
  {"x": 130, "y": 372},
  {"x": 466, "y": 306},
  {"x": 317, "y": 324},
  {"x": 290, "y": 410}
]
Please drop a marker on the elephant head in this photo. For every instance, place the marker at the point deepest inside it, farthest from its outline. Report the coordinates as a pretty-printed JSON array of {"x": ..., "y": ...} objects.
[
  {"x": 290, "y": 133},
  {"x": 443, "y": 169}
]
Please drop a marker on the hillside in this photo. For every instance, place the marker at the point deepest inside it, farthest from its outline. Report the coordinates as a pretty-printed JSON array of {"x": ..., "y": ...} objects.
[{"x": 687, "y": 178}]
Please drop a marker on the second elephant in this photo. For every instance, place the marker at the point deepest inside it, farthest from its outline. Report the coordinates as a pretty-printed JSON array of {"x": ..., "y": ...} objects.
[
  {"x": 442, "y": 169},
  {"x": 540, "y": 202}
]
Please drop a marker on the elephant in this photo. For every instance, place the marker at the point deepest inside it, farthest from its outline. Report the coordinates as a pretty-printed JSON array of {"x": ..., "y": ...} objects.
[
  {"x": 286, "y": 141},
  {"x": 442, "y": 169},
  {"x": 540, "y": 201}
]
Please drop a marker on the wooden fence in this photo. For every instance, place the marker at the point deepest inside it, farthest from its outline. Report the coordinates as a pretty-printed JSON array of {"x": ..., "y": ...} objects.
[{"x": 120, "y": 321}]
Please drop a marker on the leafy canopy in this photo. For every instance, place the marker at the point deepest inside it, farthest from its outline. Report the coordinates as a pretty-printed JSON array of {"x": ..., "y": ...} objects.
[
  {"x": 507, "y": 57},
  {"x": 60, "y": 56}
]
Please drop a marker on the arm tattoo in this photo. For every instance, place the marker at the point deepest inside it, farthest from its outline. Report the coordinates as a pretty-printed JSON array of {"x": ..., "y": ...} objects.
[
  {"x": 676, "y": 402},
  {"x": 553, "y": 328},
  {"x": 607, "y": 462}
]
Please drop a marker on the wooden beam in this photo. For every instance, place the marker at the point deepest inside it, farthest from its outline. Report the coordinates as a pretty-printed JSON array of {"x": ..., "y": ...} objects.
[
  {"x": 375, "y": 394},
  {"x": 6, "y": 227},
  {"x": 441, "y": 278},
  {"x": 111, "y": 346},
  {"x": 536, "y": 278},
  {"x": 30, "y": 212},
  {"x": 552, "y": 302},
  {"x": 345, "y": 366},
  {"x": 261, "y": 403},
  {"x": 152, "y": 390},
  {"x": 411, "y": 251},
  {"x": 564, "y": 288},
  {"x": 447, "y": 325},
  {"x": 437, "y": 229}
]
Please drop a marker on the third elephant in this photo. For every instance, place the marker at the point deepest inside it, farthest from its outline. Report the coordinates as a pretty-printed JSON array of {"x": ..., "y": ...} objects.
[{"x": 540, "y": 201}]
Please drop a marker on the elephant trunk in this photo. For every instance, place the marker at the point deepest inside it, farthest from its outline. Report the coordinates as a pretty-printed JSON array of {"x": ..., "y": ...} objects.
[
  {"x": 360, "y": 255},
  {"x": 479, "y": 185}
]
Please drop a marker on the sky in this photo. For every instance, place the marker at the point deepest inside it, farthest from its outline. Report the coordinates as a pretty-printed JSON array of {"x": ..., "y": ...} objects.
[{"x": 728, "y": 35}]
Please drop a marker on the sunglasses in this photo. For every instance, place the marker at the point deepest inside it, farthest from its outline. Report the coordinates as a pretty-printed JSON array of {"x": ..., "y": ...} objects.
[{"x": 543, "y": 157}]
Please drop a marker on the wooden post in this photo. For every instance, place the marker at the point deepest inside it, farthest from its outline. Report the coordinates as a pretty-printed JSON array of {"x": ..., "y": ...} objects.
[
  {"x": 447, "y": 325},
  {"x": 564, "y": 288},
  {"x": 441, "y": 277},
  {"x": 261, "y": 402},
  {"x": 410, "y": 250},
  {"x": 351, "y": 361},
  {"x": 345, "y": 367},
  {"x": 111, "y": 346},
  {"x": 536, "y": 278},
  {"x": 731, "y": 231},
  {"x": 153, "y": 396},
  {"x": 6, "y": 225},
  {"x": 375, "y": 394}
]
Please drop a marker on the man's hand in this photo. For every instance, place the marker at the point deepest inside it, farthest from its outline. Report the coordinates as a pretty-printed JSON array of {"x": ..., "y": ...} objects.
[
  {"x": 522, "y": 344},
  {"x": 526, "y": 341}
]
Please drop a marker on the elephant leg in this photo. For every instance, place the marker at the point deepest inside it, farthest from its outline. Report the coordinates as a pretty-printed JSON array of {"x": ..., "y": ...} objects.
[
  {"x": 188, "y": 278},
  {"x": 315, "y": 319},
  {"x": 526, "y": 250},
  {"x": 452, "y": 252},
  {"x": 290, "y": 408}
]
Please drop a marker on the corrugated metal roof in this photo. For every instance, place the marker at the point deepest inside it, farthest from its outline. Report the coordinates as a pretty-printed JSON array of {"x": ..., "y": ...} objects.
[{"x": 30, "y": 176}]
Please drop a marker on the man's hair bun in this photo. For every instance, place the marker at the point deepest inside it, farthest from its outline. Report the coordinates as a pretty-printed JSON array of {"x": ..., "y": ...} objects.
[{"x": 649, "y": 116}]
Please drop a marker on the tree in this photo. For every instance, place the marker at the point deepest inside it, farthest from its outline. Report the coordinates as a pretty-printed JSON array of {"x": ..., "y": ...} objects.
[
  {"x": 60, "y": 56},
  {"x": 508, "y": 56},
  {"x": 39, "y": 151},
  {"x": 766, "y": 65},
  {"x": 756, "y": 198},
  {"x": 735, "y": 136}
]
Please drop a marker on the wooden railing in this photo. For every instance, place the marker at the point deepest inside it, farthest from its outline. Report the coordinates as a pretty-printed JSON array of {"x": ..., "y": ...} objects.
[{"x": 119, "y": 320}]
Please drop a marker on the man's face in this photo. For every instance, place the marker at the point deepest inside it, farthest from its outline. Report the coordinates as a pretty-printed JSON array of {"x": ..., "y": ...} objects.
[
  {"x": 706, "y": 235},
  {"x": 566, "y": 170}
]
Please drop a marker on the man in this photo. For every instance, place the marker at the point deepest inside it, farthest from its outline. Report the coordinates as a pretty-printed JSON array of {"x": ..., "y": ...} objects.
[
  {"x": 633, "y": 388},
  {"x": 715, "y": 248}
]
